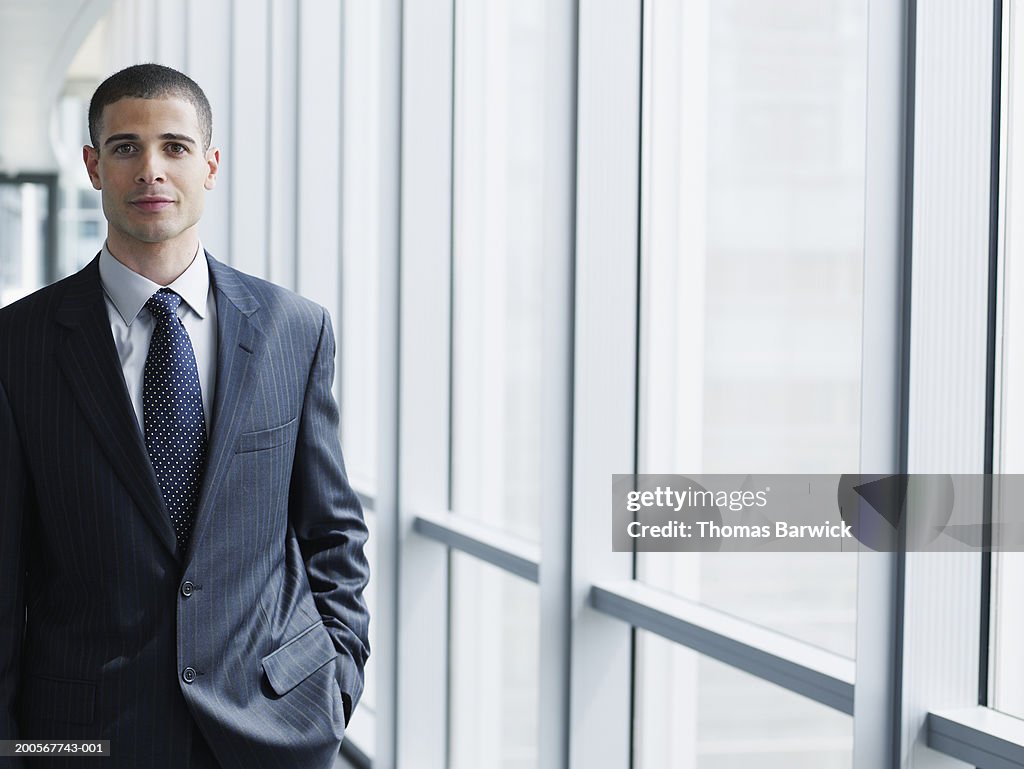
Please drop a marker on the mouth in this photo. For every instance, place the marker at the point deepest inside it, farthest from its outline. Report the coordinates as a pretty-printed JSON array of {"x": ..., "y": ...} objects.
[{"x": 151, "y": 204}]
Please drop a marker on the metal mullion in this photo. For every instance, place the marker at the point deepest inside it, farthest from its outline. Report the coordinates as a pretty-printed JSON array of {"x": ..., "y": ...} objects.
[
  {"x": 502, "y": 550},
  {"x": 557, "y": 359},
  {"x": 940, "y": 593},
  {"x": 801, "y": 668},
  {"x": 604, "y": 393},
  {"x": 421, "y": 666},
  {"x": 388, "y": 446},
  {"x": 888, "y": 185}
]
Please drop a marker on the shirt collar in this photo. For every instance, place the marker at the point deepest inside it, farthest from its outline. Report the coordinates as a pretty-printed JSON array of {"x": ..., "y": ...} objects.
[{"x": 130, "y": 291}]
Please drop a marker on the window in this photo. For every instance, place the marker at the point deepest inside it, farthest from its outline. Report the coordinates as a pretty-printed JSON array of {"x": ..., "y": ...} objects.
[
  {"x": 494, "y": 663},
  {"x": 497, "y": 265},
  {"x": 752, "y": 286},
  {"x": 26, "y": 248},
  {"x": 695, "y": 712},
  {"x": 360, "y": 245}
]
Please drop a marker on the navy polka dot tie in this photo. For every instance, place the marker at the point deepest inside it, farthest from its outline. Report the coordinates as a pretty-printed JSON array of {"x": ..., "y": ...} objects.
[{"x": 172, "y": 413}]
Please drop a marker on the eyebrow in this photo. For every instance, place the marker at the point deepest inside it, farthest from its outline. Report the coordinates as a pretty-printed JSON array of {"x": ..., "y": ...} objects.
[{"x": 135, "y": 137}]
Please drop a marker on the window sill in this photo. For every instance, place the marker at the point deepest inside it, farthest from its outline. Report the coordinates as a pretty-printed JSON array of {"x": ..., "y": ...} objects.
[{"x": 982, "y": 737}]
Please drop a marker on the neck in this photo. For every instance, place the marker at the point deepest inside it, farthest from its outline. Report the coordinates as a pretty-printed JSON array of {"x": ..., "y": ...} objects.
[{"x": 162, "y": 263}]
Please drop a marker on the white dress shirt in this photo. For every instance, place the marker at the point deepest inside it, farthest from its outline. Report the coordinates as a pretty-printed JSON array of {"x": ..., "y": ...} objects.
[{"x": 132, "y": 325}]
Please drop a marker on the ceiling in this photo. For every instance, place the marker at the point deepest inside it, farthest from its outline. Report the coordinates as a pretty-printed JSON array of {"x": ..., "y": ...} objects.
[{"x": 38, "y": 41}]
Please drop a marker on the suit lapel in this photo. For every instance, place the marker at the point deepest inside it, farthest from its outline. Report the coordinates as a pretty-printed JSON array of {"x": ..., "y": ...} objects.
[
  {"x": 89, "y": 361},
  {"x": 240, "y": 345}
]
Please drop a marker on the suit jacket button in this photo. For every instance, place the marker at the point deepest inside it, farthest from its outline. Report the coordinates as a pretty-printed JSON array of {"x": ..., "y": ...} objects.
[
  {"x": 187, "y": 588},
  {"x": 188, "y": 675}
]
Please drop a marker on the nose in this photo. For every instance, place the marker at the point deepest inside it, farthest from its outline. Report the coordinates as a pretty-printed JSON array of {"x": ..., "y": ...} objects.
[{"x": 150, "y": 170}]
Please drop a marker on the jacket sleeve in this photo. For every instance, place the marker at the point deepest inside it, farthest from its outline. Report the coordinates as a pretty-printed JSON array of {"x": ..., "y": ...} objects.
[
  {"x": 14, "y": 499},
  {"x": 328, "y": 522}
]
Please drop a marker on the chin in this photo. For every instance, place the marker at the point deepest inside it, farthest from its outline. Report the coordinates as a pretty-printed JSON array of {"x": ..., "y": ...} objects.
[{"x": 153, "y": 237}]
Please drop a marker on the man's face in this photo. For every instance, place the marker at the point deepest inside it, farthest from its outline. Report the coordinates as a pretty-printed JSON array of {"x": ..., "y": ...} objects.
[{"x": 152, "y": 171}]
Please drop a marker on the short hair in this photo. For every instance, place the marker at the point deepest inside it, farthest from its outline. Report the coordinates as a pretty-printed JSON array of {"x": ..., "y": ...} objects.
[{"x": 149, "y": 81}]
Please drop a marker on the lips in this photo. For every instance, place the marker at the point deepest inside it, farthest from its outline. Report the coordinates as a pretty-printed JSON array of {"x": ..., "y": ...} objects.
[{"x": 151, "y": 204}]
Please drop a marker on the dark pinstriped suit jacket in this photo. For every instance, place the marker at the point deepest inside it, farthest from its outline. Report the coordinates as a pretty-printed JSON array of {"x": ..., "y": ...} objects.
[{"x": 97, "y": 623}]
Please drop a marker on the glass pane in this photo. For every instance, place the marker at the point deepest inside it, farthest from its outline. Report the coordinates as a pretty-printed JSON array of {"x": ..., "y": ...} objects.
[
  {"x": 369, "y": 700},
  {"x": 23, "y": 212},
  {"x": 1006, "y": 664},
  {"x": 752, "y": 243},
  {"x": 696, "y": 713},
  {"x": 360, "y": 306},
  {"x": 495, "y": 662},
  {"x": 498, "y": 334},
  {"x": 810, "y": 596}
]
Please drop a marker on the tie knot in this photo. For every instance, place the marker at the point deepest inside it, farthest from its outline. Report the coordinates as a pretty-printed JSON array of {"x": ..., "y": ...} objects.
[{"x": 164, "y": 304}]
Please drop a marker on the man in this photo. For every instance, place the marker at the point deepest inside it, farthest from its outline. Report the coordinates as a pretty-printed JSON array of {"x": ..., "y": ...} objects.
[{"x": 181, "y": 555}]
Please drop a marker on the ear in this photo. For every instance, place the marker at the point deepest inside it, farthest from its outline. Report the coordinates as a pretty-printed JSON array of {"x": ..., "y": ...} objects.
[
  {"x": 91, "y": 157},
  {"x": 213, "y": 162}
]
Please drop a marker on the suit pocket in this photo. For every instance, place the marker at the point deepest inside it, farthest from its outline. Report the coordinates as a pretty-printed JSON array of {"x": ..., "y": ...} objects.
[
  {"x": 59, "y": 699},
  {"x": 265, "y": 439},
  {"x": 299, "y": 658}
]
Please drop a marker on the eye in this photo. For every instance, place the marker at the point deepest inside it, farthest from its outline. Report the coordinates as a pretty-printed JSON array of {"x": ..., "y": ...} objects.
[
  {"x": 177, "y": 149},
  {"x": 124, "y": 149}
]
